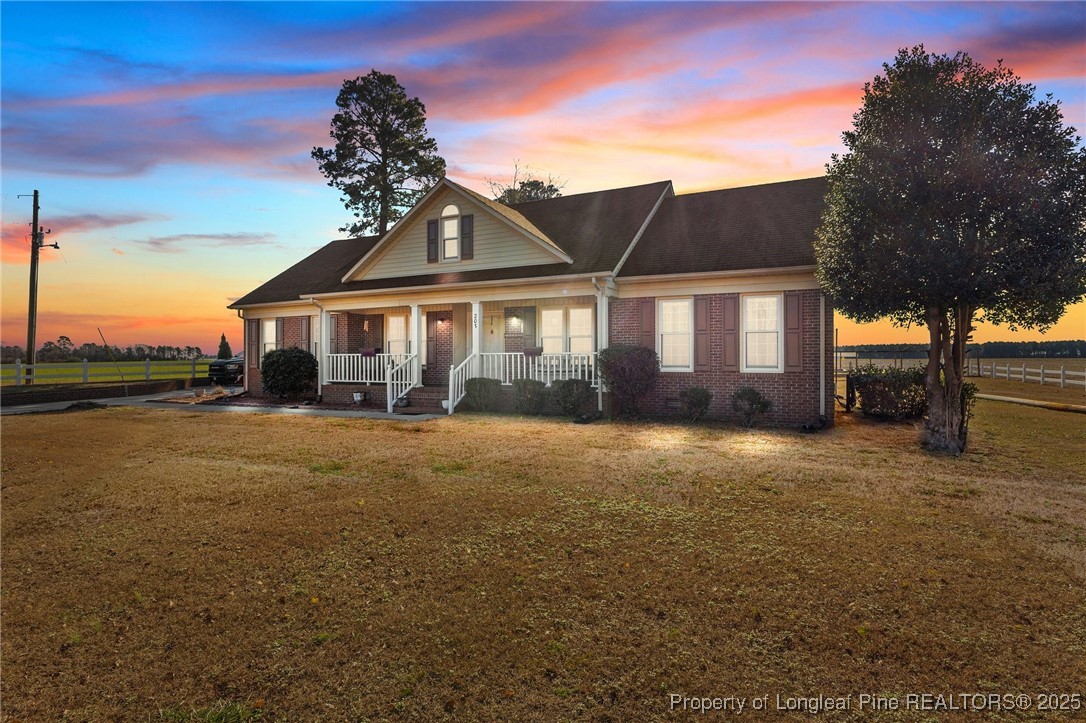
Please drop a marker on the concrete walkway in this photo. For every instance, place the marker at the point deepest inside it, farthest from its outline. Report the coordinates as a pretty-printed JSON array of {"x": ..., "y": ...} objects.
[{"x": 155, "y": 401}]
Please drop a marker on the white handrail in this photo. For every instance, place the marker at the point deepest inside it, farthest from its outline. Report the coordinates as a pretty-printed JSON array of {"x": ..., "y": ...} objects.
[
  {"x": 361, "y": 368},
  {"x": 458, "y": 378},
  {"x": 400, "y": 380}
]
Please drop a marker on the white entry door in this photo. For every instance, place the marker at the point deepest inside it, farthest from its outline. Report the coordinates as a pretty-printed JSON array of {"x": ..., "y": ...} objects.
[{"x": 493, "y": 333}]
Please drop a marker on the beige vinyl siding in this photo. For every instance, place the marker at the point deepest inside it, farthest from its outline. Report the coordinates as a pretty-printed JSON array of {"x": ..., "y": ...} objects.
[
  {"x": 494, "y": 306},
  {"x": 496, "y": 245}
]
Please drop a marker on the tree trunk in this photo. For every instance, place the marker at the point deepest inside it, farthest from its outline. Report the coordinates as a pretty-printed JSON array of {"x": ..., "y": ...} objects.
[{"x": 945, "y": 427}]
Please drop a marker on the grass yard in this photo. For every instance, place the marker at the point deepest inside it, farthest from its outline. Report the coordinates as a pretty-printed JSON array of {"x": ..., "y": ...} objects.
[
  {"x": 168, "y": 565},
  {"x": 72, "y": 372}
]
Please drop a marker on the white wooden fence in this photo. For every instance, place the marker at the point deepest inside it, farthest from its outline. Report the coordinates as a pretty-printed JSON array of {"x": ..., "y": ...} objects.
[
  {"x": 1044, "y": 374},
  {"x": 130, "y": 371}
]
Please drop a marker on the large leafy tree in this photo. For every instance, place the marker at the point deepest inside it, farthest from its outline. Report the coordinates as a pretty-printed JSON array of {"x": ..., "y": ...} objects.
[
  {"x": 383, "y": 161},
  {"x": 524, "y": 186},
  {"x": 960, "y": 198}
]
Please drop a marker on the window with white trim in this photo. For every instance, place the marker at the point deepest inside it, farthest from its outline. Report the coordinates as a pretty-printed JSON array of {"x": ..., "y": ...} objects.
[
  {"x": 450, "y": 232},
  {"x": 551, "y": 330},
  {"x": 580, "y": 330},
  {"x": 396, "y": 333},
  {"x": 761, "y": 319},
  {"x": 268, "y": 331},
  {"x": 566, "y": 329},
  {"x": 675, "y": 324}
]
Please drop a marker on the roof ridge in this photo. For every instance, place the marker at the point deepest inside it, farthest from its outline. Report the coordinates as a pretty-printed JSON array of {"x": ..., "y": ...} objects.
[
  {"x": 753, "y": 185},
  {"x": 589, "y": 193}
]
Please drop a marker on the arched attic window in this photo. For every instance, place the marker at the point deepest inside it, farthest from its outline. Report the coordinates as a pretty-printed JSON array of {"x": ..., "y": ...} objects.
[
  {"x": 450, "y": 232},
  {"x": 450, "y": 237}
]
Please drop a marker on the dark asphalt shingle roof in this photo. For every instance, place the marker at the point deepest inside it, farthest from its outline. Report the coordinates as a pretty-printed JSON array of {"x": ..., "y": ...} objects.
[
  {"x": 755, "y": 227},
  {"x": 594, "y": 229}
]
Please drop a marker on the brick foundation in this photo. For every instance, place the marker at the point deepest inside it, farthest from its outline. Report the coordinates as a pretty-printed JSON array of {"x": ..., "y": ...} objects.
[
  {"x": 794, "y": 393},
  {"x": 344, "y": 394}
]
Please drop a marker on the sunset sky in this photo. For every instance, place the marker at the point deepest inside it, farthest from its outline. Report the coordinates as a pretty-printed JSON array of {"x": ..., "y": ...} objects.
[{"x": 170, "y": 141}]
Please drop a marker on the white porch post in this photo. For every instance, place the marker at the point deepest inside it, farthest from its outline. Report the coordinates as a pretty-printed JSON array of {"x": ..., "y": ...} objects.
[
  {"x": 325, "y": 343},
  {"x": 414, "y": 333},
  {"x": 477, "y": 338},
  {"x": 602, "y": 340}
]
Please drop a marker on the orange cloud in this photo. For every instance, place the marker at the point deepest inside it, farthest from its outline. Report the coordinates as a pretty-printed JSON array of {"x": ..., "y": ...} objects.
[{"x": 15, "y": 237}]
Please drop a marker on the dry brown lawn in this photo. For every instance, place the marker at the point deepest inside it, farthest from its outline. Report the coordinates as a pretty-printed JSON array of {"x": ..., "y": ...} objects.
[{"x": 162, "y": 564}]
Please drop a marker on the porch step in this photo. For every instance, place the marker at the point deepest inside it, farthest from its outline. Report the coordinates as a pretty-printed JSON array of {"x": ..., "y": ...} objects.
[{"x": 425, "y": 400}]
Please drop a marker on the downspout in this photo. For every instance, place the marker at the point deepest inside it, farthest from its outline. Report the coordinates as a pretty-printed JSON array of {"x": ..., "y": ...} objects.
[
  {"x": 822, "y": 357},
  {"x": 244, "y": 347}
]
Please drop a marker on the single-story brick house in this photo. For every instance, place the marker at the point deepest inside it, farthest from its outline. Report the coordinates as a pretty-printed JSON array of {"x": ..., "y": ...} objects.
[{"x": 721, "y": 284}]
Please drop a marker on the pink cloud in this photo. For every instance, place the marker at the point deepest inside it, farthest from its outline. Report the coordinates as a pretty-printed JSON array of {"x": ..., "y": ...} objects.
[{"x": 16, "y": 236}]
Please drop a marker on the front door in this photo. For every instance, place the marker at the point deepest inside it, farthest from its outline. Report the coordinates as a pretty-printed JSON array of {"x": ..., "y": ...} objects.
[{"x": 493, "y": 333}]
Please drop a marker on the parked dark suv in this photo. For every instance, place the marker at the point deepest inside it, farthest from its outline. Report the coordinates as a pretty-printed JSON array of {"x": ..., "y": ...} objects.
[{"x": 227, "y": 371}]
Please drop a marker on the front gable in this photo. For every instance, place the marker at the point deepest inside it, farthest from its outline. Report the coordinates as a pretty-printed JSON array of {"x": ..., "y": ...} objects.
[{"x": 498, "y": 240}]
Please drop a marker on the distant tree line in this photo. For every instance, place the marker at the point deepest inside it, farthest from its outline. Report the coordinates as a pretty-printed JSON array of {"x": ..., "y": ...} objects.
[
  {"x": 989, "y": 349},
  {"x": 65, "y": 350}
]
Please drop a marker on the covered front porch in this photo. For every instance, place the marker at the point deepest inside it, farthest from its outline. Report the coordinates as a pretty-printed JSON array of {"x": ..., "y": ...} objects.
[{"x": 443, "y": 345}]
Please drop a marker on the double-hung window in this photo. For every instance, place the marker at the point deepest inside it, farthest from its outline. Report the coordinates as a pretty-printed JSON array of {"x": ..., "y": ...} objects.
[
  {"x": 270, "y": 333},
  {"x": 580, "y": 330},
  {"x": 675, "y": 336},
  {"x": 450, "y": 233},
  {"x": 566, "y": 329},
  {"x": 396, "y": 333},
  {"x": 762, "y": 322}
]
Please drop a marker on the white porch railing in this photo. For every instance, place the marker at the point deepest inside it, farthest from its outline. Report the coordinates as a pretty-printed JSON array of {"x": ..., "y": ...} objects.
[
  {"x": 508, "y": 366},
  {"x": 458, "y": 377},
  {"x": 399, "y": 379},
  {"x": 361, "y": 369}
]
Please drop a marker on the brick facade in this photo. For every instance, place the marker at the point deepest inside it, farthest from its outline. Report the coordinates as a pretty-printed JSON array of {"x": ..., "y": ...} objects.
[
  {"x": 519, "y": 328},
  {"x": 794, "y": 393}
]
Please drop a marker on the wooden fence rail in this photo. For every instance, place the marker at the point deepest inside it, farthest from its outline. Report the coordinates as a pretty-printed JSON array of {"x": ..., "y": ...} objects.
[
  {"x": 1051, "y": 374},
  {"x": 1045, "y": 374},
  {"x": 76, "y": 373}
]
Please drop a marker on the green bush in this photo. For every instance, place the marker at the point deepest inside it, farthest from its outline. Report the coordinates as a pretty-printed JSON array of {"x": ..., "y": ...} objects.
[
  {"x": 482, "y": 394},
  {"x": 748, "y": 403},
  {"x": 529, "y": 395},
  {"x": 695, "y": 402},
  {"x": 572, "y": 396},
  {"x": 630, "y": 372},
  {"x": 889, "y": 392},
  {"x": 288, "y": 373}
]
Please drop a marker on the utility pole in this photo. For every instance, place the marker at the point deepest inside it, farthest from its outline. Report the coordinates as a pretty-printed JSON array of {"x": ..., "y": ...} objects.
[{"x": 37, "y": 240}]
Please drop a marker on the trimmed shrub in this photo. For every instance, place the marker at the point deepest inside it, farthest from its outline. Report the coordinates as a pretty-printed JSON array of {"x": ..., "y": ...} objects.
[
  {"x": 629, "y": 372},
  {"x": 288, "y": 373},
  {"x": 572, "y": 396},
  {"x": 694, "y": 402},
  {"x": 890, "y": 393},
  {"x": 529, "y": 395},
  {"x": 481, "y": 393},
  {"x": 748, "y": 403}
]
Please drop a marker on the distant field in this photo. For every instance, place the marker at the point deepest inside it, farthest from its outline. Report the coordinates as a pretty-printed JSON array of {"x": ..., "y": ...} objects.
[
  {"x": 1077, "y": 365},
  {"x": 72, "y": 372}
]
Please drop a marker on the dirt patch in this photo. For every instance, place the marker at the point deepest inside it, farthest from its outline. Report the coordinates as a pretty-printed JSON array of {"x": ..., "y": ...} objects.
[{"x": 492, "y": 568}]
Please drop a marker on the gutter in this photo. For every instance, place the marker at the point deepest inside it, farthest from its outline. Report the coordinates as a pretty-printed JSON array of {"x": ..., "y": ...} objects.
[{"x": 718, "y": 274}]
